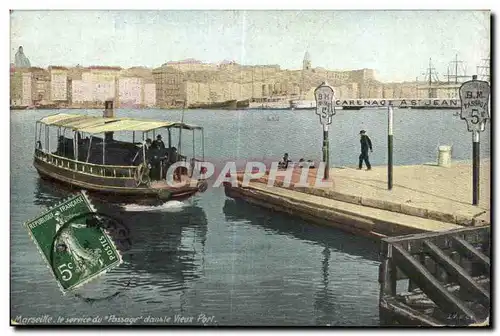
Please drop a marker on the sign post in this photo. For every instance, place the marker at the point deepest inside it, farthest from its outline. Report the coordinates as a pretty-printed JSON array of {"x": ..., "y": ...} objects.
[
  {"x": 474, "y": 97},
  {"x": 389, "y": 146},
  {"x": 325, "y": 109}
]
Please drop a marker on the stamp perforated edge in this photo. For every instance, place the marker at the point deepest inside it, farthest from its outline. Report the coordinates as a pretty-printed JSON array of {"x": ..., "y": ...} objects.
[{"x": 111, "y": 242}]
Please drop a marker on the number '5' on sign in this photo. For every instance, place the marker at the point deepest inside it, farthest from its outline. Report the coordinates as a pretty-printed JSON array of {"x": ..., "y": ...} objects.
[
  {"x": 475, "y": 116},
  {"x": 324, "y": 112}
]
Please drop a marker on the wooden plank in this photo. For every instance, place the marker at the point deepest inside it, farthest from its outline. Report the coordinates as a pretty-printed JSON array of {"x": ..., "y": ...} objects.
[
  {"x": 466, "y": 248},
  {"x": 414, "y": 242},
  {"x": 417, "y": 294},
  {"x": 387, "y": 279},
  {"x": 410, "y": 315},
  {"x": 467, "y": 232},
  {"x": 464, "y": 279},
  {"x": 433, "y": 288}
]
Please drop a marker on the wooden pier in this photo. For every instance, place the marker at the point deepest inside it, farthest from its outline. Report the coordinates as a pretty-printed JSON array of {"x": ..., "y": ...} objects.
[{"x": 446, "y": 275}]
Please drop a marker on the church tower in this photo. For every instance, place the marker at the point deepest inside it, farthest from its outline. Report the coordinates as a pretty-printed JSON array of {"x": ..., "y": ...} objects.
[{"x": 306, "y": 63}]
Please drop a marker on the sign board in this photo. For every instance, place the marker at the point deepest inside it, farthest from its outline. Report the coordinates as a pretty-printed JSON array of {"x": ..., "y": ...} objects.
[
  {"x": 324, "y": 103},
  {"x": 474, "y": 97},
  {"x": 400, "y": 103}
]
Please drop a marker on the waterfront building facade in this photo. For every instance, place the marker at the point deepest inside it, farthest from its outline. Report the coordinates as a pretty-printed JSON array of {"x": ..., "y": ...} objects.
[
  {"x": 58, "y": 84},
  {"x": 20, "y": 86},
  {"x": 81, "y": 95},
  {"x": 149, "y": 95},
  {"x": 130, "y": 92},
  {"x": 103, "y": 82},
  {"x": 40, "y": 88}
]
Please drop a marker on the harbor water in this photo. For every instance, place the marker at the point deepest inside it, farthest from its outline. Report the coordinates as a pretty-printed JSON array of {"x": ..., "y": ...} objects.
[{"x": 215, "y": 261}]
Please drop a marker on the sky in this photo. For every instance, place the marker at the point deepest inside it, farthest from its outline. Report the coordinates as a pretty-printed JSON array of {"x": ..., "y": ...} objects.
[{"x": 396, "y": 44}]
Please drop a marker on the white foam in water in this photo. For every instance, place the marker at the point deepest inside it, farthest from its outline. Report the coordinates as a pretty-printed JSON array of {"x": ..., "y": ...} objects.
[{"x": 170, "y": 206}]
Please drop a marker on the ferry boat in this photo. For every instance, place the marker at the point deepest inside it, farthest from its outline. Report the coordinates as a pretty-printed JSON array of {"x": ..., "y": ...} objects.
[
  {"x": 270, "y": 104},
  {"x": 225, "y": 105},
  {"x": 303, "y": 104},
  {"x": 87, "y": 156}
]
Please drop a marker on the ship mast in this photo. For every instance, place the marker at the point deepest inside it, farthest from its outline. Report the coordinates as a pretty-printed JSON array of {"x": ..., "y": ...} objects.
[
  {"x": 253, "y": 93},
  {"x": 430, "y": 70},
  {"x": 456, "y": 75},
  {"x": 484, "y": 69}
]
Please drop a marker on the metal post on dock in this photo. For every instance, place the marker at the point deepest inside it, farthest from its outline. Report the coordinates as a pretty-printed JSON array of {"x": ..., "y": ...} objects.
[
  {"x": 390, "y": 121},
  {"x": 325, "y": 109},
  {"x": 474, "y": 97},
  {"x": 325, "y": 152},
  {"x": 475, "y": 167}
]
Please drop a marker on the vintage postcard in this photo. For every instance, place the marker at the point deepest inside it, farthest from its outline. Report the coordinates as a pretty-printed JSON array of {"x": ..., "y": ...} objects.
[{"x": 290, "y": 168}]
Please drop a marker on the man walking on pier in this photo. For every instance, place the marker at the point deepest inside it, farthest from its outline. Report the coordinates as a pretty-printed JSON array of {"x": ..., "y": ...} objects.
[{"x": 366, "y": 144}]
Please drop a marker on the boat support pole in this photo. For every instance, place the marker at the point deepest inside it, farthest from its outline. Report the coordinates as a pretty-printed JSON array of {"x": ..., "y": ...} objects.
[
  {"x": 194, "y": 152},
  {"x": 75, "y": 141},
  {"x": 47, "y": 139},
  {"x": 203, "y": 144},
  {"x": 90, "y": 147},
  {"x": 103, "y": 148},
  {"x": 143, "y": 150},
  {"x": 40, "y": 133},
  {"x": 36, "y": 132}
]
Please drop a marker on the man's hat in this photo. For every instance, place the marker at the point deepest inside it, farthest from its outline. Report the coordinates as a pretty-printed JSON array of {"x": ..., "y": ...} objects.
[
  {"x": 362, "y": 132},
  {"x": 158, "y": 136}
]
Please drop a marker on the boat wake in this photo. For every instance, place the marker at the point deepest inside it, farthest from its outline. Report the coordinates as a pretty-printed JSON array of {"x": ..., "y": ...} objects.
[{"x": 170, "y": 206}]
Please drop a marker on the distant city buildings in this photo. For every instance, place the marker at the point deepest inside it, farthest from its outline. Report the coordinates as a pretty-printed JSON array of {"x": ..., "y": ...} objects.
[
  {"x": 184, "y": 83},
  {"x": 194, "y": 82},
  {"x": 80, "y": 87}
]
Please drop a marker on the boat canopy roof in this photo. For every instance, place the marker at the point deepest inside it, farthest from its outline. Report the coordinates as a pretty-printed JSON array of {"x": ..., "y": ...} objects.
[{"x": 96, "y": 125}]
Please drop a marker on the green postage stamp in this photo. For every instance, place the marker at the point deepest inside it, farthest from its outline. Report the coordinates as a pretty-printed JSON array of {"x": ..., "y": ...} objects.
[{"x": 76, "y": 253}]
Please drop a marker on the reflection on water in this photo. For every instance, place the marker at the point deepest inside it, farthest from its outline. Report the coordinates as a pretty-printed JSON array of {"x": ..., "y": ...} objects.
[
  {"x": 338, "y": 252},
  {"x": 332, "y": 239}
]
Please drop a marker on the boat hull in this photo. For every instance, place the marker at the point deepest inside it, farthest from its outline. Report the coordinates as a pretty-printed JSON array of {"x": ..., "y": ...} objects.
[
  {"x": 110, "y": 188},
  {"x": 226, "y": 105},
  {"x": 243, "y": 104}
]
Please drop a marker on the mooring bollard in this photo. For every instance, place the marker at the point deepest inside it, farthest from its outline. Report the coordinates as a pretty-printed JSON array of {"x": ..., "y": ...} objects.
[{"x": 444, "y": 156}]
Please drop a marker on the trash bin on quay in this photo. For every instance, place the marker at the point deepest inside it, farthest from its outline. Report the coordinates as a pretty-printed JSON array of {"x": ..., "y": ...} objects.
[{"x": 444, "y": 156}]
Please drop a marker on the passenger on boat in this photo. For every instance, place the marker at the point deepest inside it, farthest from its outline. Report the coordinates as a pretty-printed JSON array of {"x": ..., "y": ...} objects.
[
  {"x": 158, "y": 143},
  {"x": 284, "y": 163},
  {"x": 172, "y": 154},
  {"x": 155, "y": 162}
]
